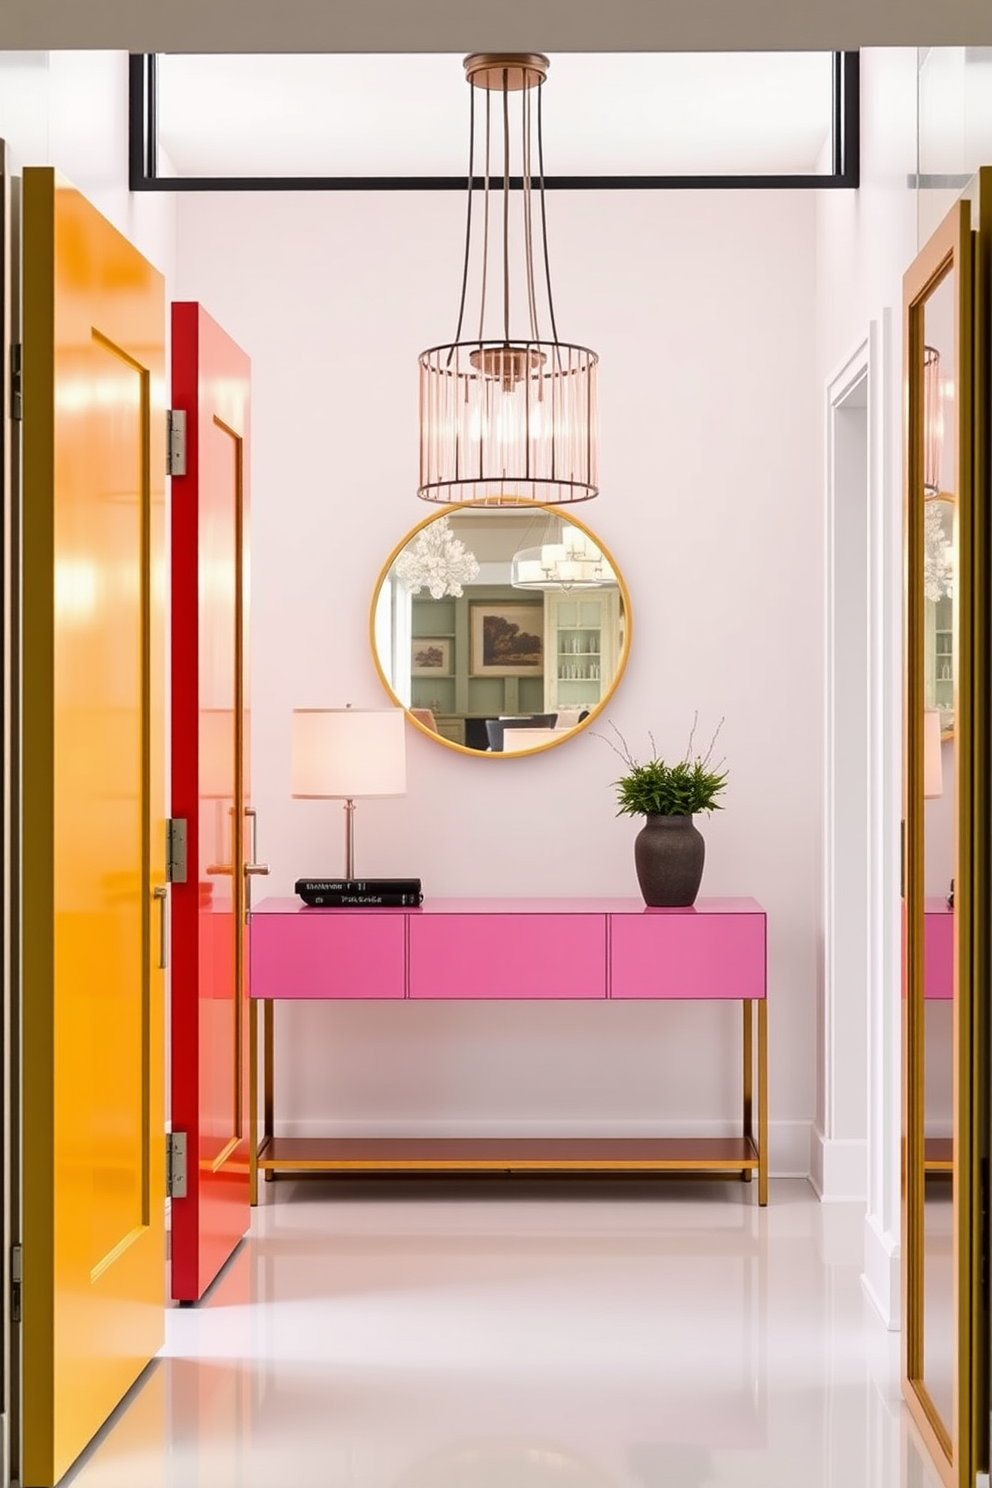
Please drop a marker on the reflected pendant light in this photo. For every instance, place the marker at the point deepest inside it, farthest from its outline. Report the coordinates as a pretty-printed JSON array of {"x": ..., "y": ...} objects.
[
  {"x": 507, "y": 417},
  {"x": 933, "y": 421},
  {"x": 566, "y": 559}
]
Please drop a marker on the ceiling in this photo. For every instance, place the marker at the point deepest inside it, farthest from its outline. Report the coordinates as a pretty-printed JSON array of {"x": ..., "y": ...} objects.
[
  {"x": 394, "y": 115},
  {"x": 476, "y": 25}
]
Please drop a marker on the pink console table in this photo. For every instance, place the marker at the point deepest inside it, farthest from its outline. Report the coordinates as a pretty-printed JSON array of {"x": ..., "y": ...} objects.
[
  {"x": 938, "y": 986},
  {"x": 513, "y": 949}
]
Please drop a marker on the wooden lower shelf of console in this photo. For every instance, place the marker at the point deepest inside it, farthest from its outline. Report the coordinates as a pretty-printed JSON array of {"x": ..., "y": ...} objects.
[
  {"x": 938, "y": 1155},
  {"x": 507, "y": 1155}
]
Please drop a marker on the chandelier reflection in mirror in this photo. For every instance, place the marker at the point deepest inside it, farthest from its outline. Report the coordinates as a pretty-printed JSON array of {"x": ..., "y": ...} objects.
[
  {"x": 438, "y": 561},
  {"x": 938, "y": 554},
  {"x": 511, "y": 417},
  {"x": 566, "y": 559}
]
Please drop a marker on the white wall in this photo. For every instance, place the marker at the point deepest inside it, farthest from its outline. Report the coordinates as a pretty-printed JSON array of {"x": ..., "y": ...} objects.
[
  {"x": 702, "y": 308},
  {"x": 864, "y": 242},
  {"x": 69, "y": 109},
  {"x": 926, "y": 125}
]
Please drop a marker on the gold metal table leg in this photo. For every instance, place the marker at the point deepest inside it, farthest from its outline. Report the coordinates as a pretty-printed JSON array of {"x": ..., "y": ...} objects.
[
  {"x": 763, "y": 1100},
  {"x": 252, "y": 1101},
  {"x": 748, "y": 1010},
  {"x": 269, "y": 1009}
]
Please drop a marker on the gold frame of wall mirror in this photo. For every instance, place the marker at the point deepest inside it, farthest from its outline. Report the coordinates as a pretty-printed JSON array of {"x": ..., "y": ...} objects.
[
  {"x": 502, "y": 631},
  {"x": 946, "y": 738}
]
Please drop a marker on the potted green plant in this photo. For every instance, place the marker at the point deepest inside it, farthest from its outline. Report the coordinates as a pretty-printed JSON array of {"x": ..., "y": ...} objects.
[{"x": 669, "y": 851}]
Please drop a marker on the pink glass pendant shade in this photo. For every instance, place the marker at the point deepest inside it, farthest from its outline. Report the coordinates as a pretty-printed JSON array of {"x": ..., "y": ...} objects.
[
  {"x": 484, "y": 440},
  {"x": 933, "y": 421}
]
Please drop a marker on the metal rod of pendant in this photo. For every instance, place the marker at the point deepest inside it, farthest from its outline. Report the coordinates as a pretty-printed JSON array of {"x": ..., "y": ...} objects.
[
  {"x": 485, "y": 217},
  {"x": 506, "y": 205},
  {"x": 525, "y": 114},
  {"x": 468, "y": 214},
  {"x": 349, "y": 839},
  {"x": 544, "y": 217}
]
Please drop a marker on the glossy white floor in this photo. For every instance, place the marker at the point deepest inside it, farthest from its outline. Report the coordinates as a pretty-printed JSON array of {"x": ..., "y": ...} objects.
[{"x": 512, "y": 1333}]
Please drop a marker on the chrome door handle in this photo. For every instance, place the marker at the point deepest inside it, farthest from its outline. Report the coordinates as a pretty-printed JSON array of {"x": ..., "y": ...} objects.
[
  {"x": 161, "y": 893},
  {"x": 254, "y": 866},
  {"x": 254, "y": 869}
]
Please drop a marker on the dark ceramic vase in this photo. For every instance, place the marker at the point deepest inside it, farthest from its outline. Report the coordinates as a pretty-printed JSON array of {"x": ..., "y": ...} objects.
[{"x": 668, "y": 856}]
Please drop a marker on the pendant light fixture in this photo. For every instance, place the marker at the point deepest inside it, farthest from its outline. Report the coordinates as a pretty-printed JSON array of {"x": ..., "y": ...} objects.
[
  {"x": 509, "y": 416},
  {"x": 567, "y": 558}
]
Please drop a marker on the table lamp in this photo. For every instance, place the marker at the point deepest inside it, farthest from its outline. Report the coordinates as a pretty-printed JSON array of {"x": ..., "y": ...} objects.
[{"x": 341, "y": 754}]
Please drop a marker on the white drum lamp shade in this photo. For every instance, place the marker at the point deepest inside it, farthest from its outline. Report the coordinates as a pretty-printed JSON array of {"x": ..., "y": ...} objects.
[{"x": 346, "y": 753}]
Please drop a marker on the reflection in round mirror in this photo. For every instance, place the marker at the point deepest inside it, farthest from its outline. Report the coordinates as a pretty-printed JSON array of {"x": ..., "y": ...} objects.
[
  {"x": 938, "y": 609},
  {"x": 488, "y": 621}
]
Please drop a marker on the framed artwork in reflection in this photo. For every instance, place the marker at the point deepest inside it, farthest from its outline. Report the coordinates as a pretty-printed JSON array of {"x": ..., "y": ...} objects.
[
  {"x": 507, "y": 640},
  {"x": 430, "y": 656}
]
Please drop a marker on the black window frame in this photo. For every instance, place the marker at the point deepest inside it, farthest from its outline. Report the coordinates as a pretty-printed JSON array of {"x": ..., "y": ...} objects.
[{"x": 143, "y": 154}]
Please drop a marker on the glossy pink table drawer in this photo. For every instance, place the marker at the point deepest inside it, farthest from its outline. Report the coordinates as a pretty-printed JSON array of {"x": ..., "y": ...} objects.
[
  {"x": 505, "y": 956},
  {"x": 679, "y": 954},
  {"x": 938, "y": 951},
  {"x": 319, "y": 953}
]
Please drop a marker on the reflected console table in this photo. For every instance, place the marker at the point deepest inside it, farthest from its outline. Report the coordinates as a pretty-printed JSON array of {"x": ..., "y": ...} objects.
[
  {"x": 558, "y": 950},
  {"x": 938, "y": 986}
]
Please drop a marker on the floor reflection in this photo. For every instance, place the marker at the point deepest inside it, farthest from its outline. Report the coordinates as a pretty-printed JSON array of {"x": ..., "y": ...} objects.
[
  {"x": 524, "y": 1334},
  {"x": 938, "y": 1293}
]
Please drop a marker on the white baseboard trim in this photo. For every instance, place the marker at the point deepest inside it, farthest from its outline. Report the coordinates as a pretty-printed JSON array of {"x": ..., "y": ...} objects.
[
  {"x": 882, "y": 1276},
  {"x": 838, "y": 1168},
  {"x": 788, "y": 1141}
]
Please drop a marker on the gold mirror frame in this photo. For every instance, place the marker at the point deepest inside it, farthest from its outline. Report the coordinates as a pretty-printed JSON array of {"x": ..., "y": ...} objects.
[
  {"x": 959, "y": 1446},
  {"x": 538, "y": 510}
]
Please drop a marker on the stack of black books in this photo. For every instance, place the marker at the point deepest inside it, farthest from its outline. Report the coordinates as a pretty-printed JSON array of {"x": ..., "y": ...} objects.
[{"x": 351, "y": 893}]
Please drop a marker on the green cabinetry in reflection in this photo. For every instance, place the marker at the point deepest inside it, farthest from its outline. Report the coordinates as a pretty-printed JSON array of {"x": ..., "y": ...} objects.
[
  {"x": 584, "y": 639},
  {"x": 449, "y": 689}
]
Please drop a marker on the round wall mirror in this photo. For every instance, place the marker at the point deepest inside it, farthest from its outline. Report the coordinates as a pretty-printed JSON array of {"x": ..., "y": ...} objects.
[{"x": 502, "y": 631}]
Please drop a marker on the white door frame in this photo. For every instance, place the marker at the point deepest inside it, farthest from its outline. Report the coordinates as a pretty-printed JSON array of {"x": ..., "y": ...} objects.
[{"x": 857, "y": 1135}]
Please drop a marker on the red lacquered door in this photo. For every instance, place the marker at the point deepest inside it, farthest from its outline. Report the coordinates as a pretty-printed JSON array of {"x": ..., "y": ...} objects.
[{"x": 211, "y": 794}]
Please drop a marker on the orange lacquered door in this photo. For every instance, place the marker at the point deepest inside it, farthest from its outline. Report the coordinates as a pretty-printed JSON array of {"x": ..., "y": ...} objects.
[
  {"x": 93, "y": 831},
  {"x": 210, "y": 793}
]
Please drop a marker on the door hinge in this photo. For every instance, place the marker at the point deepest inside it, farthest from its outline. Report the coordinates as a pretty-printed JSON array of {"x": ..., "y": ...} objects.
[
  {"x": 175, "y": 1165},
  {"x": 175, "y": 849},
  {"x": 16, "y": 1277},
  {"x": 176, "y": 457},
  {"x": 16, "y": 382}
]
